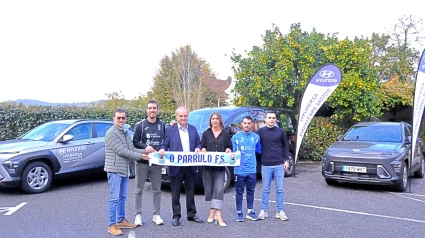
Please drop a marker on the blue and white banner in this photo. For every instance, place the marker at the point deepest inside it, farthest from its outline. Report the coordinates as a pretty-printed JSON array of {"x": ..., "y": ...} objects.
[
  {"x": 196, "y": 159},
  {"x": 418, "y": 102},
  {"x": 321, "y": 86}
]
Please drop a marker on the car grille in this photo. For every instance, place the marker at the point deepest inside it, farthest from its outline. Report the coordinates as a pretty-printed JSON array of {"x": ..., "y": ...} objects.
[{"x": 373, "y": 172}]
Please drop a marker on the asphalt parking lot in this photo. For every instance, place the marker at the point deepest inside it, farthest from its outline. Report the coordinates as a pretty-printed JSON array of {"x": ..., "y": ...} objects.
[{"x": 78, "y": 208}]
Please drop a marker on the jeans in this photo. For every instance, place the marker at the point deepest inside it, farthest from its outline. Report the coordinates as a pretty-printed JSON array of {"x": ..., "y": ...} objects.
[
  {"x": 267, "y": 173},
  {"x": 118, "y": 186},
  {"x": 154, "y": 173},
  {"x": 241, "y": 181}
]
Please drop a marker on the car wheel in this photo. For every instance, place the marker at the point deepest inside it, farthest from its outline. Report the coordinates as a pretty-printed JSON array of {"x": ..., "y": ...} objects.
[
  {"x": 404, "y": 178},
  {"x": 36, "y": 177},
  {"x": 227, "y": 178},
  {"x": 331, "y": 182},
  {"x": 290, "y": 171},
  {"x": 421, "y": 172}
]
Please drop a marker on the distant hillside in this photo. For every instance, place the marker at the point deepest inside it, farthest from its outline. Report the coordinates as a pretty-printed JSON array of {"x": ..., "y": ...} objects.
[{"x": 29, "y": 102}]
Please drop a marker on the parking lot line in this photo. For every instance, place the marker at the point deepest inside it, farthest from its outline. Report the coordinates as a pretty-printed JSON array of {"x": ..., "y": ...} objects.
[
  {"x": 10, "y": 210},
  {"x": 409, "y": 194},
  {"x": 348, "y": 211},
  {"x": 404, "y": 196}
]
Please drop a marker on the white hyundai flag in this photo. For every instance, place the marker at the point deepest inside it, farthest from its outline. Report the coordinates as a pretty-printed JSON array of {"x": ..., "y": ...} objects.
[
  {"x": 418, "y": 103},
  {"x": 321, "y": 86}
]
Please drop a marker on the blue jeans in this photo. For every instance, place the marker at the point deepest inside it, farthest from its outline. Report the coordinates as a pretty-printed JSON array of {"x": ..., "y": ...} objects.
[
  {"x": 241, "y": 181},
  {"x": 267, "y": 173},
  {"x": 118, "y": 194}
]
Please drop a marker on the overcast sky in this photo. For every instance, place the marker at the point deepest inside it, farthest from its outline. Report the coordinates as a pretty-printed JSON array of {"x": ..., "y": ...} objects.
[{"x": 76, "y": 51}]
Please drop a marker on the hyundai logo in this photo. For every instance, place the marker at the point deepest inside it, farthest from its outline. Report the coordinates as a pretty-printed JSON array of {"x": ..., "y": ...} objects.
[{"x": 326, "y": 73}]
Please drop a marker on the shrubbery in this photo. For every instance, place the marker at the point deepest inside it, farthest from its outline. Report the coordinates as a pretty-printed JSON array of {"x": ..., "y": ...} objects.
[
  {"x": 321, "y": 133},
  {"x": 16, "y": 120}
]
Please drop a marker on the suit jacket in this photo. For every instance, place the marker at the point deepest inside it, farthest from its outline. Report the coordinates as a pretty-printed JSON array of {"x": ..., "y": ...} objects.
[{"x": 172, "y": 142}]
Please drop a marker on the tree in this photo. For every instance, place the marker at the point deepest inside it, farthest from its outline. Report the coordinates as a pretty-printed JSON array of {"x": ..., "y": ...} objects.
[
  {"x": 115, "y": 100},
  {"x": 178, "y": 81},
  {"x": 394, "y": 55},
  {"x": 276, "y": 73}
]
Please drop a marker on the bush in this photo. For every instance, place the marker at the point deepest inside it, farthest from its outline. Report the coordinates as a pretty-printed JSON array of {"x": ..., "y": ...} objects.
[
  {"x": 17, "y": 120},
  {"x": 322, "y": 132}
]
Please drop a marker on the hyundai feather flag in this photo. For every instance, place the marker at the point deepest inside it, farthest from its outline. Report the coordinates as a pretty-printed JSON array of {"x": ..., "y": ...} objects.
[
  {"x": 419, "y": 102},
  {"x": 320, "y": 87}
]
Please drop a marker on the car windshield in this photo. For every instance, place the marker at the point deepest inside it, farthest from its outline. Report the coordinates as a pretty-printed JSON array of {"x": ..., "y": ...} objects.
[
  {"x": 45, "y": 132},
  {"x": 201, "y": 119},
  {"x": 376, "y": 133}
]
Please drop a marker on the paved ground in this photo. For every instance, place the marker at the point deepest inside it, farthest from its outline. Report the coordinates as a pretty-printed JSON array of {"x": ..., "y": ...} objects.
[{"x": 78, "y": 208}]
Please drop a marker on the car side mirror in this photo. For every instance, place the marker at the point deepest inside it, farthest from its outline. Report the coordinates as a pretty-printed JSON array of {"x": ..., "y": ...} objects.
[
  {"x": 409, "y": 140},
  {"x": 340, "y": 137},
  {"x": 66, "y": 138}
]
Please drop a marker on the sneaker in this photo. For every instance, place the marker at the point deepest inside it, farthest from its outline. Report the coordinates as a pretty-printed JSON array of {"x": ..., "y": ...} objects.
[
  {"x": 262, "y": 215},
  {"x": 114, "y": 230},
  {"x": 138, "y": 220},
  {"x": 240, "y": 218},
  {"x": 126, "y": 224},
  {"x": 252, "y": 216},
  {"x": 157, "y": 219},
  {"x": 281, "y": 215}
]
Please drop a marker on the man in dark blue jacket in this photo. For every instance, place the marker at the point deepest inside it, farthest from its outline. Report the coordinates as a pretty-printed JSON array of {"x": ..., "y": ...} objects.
[
  {"x": 182, "y": 137},
  {"x": 274, "y": 162}
]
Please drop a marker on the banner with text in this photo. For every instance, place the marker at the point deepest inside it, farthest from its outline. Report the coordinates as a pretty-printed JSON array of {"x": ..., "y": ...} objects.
[
  {"x": 320, "y": 87},
  {"x": 179, "y": 158},
  {"x": 418, "y": 102}
]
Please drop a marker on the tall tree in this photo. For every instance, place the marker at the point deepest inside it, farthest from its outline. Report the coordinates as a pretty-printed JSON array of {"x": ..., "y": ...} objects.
[
  {"x": 178, "y": 81},
  {"x": 395, "y": 55},
  {"x": 276, "y": 73}
]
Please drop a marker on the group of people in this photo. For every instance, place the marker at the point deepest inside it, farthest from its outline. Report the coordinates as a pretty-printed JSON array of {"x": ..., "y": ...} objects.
[{"x": 152, "y": 135}]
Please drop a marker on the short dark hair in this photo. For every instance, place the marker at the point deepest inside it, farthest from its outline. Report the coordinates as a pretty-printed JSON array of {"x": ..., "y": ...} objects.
[
  {"x": 271, "y": 111},
  {"x": 247, "y": 117},
  {"x": 119, "y": 110},
  {"x": 152, "y": 101}
]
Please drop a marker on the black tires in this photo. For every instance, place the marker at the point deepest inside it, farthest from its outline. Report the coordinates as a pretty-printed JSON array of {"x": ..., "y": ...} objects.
[
  {"x": 290, "y": 171},
  {"x": 421, "y": 172},
  {"x": 331, "y": 182},
  {"x": 36, "y": 178},
  {"x": 227, "y": 178},
  {"x": 404, "y": 178}
]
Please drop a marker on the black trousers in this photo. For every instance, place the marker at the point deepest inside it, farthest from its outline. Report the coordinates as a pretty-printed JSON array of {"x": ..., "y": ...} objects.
[{"x": 187, "y": 176}]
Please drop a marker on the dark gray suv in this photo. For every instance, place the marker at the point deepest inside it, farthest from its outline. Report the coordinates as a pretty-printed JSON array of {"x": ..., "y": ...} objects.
[{"x": 53, "y": 148}]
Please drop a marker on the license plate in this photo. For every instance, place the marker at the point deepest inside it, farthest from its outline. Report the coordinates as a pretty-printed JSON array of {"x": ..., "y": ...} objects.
[
  {"x": 164, "y": 170},
  {"x": 354, "y": 169}
]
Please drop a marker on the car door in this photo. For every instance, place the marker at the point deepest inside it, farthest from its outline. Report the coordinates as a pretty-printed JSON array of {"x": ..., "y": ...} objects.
[
  {"x": 100, "y": 129},
  {"x": 78, "y": 153}
]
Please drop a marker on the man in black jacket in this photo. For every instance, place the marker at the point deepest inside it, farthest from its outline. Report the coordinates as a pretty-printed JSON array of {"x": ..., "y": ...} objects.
[
  {"x": 148, "y": 135},
  {"x": 274, "y": 162}
]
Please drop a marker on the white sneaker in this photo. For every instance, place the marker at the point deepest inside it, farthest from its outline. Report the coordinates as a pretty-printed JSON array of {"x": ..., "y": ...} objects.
[
  {"x": 157, "y": 219},
  {"x": 262, "y": 215},
  {"x": 281, "y": 215},
  {"x": 138, "y": 220}
]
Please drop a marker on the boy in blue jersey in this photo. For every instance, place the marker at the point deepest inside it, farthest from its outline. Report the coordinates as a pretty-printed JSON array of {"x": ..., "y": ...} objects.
[{"x": 247, "y": 142}]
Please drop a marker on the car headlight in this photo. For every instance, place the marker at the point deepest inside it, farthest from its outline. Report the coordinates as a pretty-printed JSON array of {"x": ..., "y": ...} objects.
[
  {"x": 11, "y": 165},
  {"x": 396, "y": 164}
]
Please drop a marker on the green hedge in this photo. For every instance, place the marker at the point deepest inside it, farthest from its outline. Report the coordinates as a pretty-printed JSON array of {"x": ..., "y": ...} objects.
[
  {"x": 322, "y": 132},
  {"x": 17, "y": 120}
]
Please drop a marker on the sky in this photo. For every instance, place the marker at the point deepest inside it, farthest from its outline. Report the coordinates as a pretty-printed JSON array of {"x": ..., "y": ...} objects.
[{"x": 78, "y": 51}]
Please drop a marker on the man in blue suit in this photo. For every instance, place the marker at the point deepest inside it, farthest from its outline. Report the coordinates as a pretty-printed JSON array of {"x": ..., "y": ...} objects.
[{"x": 182, "y": 137}]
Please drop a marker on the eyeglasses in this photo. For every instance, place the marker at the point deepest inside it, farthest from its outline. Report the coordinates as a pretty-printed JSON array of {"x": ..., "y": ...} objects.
[{"x": 121, "y": 118}]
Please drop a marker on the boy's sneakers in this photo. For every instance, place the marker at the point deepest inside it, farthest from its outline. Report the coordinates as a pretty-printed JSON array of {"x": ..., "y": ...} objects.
[
  {"x": 240, "y": 218},
  {"x": 281, "y": 215},
  {"x": 251, "y": 215},
  {"x": 262, "y": 215}
]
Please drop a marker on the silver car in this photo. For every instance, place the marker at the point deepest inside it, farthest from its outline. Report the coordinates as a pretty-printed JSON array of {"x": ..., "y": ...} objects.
[{"x": 53, "y": 148}]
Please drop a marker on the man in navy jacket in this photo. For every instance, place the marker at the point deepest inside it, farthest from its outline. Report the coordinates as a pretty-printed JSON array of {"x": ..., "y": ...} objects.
[{"x": 182, "y": 137}]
